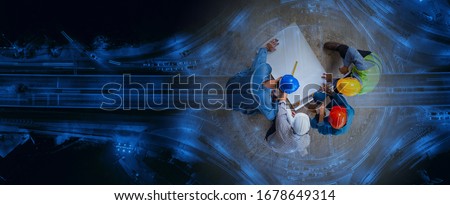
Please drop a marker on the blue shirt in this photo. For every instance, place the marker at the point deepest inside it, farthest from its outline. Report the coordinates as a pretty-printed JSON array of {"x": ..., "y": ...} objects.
[
  {"x": 261, "y": 94},
  {"x": 246, "y": 92},
  {"x": 325, "y": 127}
]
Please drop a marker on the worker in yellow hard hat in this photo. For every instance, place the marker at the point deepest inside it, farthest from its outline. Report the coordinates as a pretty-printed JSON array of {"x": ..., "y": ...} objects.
[{"x": 362, "y": 70}]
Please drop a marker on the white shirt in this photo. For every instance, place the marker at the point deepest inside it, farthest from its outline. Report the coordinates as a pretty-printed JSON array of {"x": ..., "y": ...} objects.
[{"x": 284, "y": 140}]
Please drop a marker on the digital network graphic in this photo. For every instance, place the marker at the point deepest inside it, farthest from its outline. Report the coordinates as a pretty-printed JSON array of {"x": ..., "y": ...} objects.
[{"x": 134, "y": 92}]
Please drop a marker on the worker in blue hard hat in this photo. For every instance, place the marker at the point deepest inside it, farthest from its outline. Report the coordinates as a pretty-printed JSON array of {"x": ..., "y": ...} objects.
[
  {"x": 288, "y": 84},
  {"x": 251, "y": 90}
]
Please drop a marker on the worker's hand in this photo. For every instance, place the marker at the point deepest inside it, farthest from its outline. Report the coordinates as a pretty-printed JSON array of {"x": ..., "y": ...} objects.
[
  {"x": 272, "y": 45},
  {"x": 328, "y": 88},
  {"x": 328, "y": 77},
  {"x": 343, "y": 70}
]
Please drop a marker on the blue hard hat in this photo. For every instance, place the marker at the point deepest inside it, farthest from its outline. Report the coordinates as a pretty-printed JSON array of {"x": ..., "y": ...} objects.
[{"x": 289, "y": 84}]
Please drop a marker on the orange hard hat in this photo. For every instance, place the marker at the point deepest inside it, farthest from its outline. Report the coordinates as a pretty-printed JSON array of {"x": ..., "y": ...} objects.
[{"x": 337, "y": 117}]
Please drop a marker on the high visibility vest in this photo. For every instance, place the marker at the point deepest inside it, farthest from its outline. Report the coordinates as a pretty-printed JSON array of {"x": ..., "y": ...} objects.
[{"x": 371, "y": 76}]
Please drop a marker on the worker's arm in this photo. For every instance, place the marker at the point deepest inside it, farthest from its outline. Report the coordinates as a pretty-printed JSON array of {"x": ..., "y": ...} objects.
[
  {"x": 261, "y": 58},
  {"x": 321, "y": 113},
  {"x": 283, "y": 96},
  {"x": 289, "y": 112},
  {"x": 318, "y": 99},
  {"x": 272, "y": 84},
  {"x": 284, "y": 114}
]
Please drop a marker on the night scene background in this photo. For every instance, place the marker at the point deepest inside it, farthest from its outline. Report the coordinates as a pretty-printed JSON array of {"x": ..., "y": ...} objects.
[{"x": 55, "y": 56}]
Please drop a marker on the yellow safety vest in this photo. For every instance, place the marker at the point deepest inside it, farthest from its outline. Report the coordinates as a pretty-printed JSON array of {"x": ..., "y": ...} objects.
[{"x": 371, "y": 76}]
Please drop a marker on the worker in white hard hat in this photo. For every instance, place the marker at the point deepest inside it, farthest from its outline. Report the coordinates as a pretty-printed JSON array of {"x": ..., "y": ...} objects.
[{"x": 289, "y": 132}]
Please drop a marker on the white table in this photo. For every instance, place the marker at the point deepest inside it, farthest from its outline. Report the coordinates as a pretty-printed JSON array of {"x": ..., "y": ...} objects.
[{"x": 294, "y": 47}]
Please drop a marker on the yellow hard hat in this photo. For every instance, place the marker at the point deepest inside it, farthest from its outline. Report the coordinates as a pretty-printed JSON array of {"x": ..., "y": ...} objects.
[{"x": 348, "y": 86}]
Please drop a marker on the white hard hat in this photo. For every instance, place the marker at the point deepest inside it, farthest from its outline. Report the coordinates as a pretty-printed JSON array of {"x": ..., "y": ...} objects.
[{"x": 301, "y": 124}]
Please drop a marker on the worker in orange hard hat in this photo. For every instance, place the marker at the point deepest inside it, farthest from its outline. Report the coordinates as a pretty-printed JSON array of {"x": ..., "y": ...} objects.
[
  {"x": 362, "y": 70},
  {"x": 337, "y": 117},
  {"x": 340, "y": 115}
]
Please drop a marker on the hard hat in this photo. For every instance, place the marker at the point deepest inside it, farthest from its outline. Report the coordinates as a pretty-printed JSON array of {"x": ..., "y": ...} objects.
[
  {"x": 337, "y": 117},
  {"x": 289, "y": 84},
  {"x": 348, "y": 86},
  {"x": 301, "y": 124}
]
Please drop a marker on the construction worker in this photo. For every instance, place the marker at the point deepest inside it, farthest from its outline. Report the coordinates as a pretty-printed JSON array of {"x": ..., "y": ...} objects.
[
  {"x": 251, "y": 90},
  {"x": 289, "y": 132},
  {"x": 339, "y": 118},
  {"x": 362, "y": 70}
]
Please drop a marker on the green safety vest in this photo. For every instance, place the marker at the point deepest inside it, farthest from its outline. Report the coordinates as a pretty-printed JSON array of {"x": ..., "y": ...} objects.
[{"x": 371, "y": 76}]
